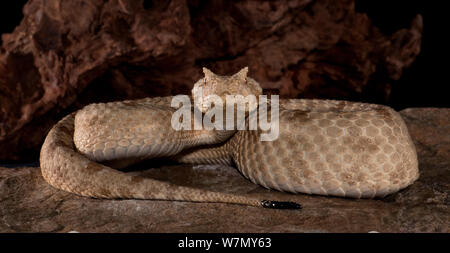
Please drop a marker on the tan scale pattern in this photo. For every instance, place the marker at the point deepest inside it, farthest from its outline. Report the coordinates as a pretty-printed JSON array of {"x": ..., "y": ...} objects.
[
  {"x": 333, "y": 148},
  {"x": 67, "y": 169},
  {"x": 325, "y": 147}
]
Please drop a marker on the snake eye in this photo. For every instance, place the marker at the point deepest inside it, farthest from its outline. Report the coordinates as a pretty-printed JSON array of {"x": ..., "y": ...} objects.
[{"x": 204, "y": 80}]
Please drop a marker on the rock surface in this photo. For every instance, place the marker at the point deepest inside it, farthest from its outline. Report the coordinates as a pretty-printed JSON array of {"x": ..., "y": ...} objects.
[
  {"x": 29, "y": 204},
  {"x": 56, "y": 60}
]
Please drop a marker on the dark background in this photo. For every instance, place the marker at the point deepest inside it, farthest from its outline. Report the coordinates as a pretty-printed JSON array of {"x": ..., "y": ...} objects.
[{"x": 422, "y": 85}]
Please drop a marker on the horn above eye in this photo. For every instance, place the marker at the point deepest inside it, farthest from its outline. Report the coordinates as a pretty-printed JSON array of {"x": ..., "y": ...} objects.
[
  {"x": 207, "y": 72},
  {"x": 242, "y": 74}
]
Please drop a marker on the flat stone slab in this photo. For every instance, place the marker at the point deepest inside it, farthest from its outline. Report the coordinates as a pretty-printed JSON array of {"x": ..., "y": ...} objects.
[{"x": 29, "y": 204}]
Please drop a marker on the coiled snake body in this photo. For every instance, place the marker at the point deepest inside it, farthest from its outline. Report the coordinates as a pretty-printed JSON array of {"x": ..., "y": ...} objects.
[{"x": 325, "y": 147}]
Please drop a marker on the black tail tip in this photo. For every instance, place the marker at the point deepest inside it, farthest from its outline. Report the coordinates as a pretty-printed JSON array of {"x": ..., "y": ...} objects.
[{"x": 280, "y": 204}]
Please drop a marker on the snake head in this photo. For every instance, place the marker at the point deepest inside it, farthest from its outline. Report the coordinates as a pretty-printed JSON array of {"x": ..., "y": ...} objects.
[{"x": 214, "y": 89}]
